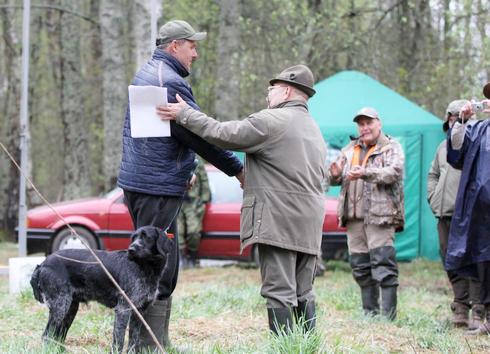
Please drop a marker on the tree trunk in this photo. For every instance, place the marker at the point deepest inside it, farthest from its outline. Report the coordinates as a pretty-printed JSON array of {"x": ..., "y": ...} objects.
[
  {"x": 10, "y": 130},
  {"x": 114, "y": 86},
  {"x": 76, "y": 180},
  {"x": 142, "y": 29},
  {"x": 228, "y": 88}
]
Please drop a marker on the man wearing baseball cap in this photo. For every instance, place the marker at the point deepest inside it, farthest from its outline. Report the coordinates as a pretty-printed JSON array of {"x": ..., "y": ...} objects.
[
  {"x": 371, "y": 206},
  {"x": 468, "y": 249},
  {"x": 283, "y": 202},
  {"x": 155, "y": 172},
  {"x": 442, "y": 186}
]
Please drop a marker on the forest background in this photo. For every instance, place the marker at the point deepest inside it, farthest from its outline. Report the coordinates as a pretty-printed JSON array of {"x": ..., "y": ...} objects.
[{"x": 84, "y": 54}]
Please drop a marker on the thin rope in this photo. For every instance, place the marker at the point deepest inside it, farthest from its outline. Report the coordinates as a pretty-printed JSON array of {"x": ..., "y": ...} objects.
[
  {"x": 123, "y": 293},
  {"x": 75, "y": 260}
]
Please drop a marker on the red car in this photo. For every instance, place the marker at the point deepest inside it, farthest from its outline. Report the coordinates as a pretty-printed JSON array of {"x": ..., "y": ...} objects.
[{"x": 105, "y": 223}]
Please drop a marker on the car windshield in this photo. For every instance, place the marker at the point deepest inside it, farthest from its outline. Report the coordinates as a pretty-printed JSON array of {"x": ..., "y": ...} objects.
[{"x": 224, "y": 189}]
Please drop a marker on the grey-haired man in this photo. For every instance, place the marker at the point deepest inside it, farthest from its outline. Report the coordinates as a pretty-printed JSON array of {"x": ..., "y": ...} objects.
[
  {"x": 371, "y": 206},
  {"x": 155, "y": 172},
  {"x": 283, "y": 201}
]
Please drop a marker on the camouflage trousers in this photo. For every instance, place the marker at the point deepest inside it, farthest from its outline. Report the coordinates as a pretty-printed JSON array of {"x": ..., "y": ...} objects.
[{"x": 190, "y": 226}]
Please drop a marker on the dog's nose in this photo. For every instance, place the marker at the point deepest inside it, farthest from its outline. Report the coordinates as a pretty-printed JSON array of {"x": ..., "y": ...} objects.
[{"x": 131, "y": 252}]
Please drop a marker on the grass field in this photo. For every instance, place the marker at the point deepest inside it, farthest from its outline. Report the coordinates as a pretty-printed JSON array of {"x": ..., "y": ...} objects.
[{"x": 219, "y": 310}]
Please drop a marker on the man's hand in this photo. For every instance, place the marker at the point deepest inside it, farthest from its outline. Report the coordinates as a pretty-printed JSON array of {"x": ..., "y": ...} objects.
[
  {"x": 191, "y": 182},
  {"x": 466, "y": 111},
  {"x": 336, "y": 168},
  {"x": 171, "y": 110},
  {"x": 241, "y": 177},
  {"x": 355, "y": 172}
]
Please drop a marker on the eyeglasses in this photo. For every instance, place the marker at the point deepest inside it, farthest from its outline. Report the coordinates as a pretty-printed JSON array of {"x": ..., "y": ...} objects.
[{"x": 270, "y": 88}]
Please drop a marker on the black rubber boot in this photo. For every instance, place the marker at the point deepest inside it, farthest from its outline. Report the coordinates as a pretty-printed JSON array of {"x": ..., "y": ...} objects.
[
  {"x": 193, "y": 260},
  {"x": 361, "y": 271},
  {"x": 484, "y": 328},
  {"x": 280, "y": 320},
  {"x": 370, "y": 300},
  {"x": 158, "y": 317},
  {"x": 388, "y": 302},
  {"x": 477, "y": 316},
  {"x": 305, "y": 315}
]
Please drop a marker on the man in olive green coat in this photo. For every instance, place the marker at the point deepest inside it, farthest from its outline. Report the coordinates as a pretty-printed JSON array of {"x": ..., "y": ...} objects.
[
  {"x": 283, "y": 201},
  {"x": 442, "y": 187}
]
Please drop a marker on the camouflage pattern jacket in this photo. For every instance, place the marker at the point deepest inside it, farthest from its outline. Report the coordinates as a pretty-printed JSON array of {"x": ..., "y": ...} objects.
[{"x": 382, "y": 195}]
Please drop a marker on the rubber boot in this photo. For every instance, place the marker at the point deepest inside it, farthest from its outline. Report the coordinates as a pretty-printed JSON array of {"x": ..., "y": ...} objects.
[
  {"x": 193, "y": 260},
  {"x": 305, "y": 315},
  {"x": 388, "y": 302},
  {"x": 361, "y": 271},
  {"x": 477, "y": 316},
  {"x": 158, "y": 317},
  {"x": 460, "y": 314},
  {"x": 370, "y": 300},
  {"x": 280, "y": 320},
  {"x": 484, "y": 328}
]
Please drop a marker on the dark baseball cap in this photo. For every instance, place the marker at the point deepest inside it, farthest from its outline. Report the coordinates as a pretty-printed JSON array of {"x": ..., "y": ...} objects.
[
  {"x": 178, "y": 29},
  {"x": 366, "y": 112}
]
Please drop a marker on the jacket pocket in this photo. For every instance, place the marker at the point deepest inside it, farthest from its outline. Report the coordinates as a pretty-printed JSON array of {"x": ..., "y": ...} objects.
[{"x": 247, "y": 218}]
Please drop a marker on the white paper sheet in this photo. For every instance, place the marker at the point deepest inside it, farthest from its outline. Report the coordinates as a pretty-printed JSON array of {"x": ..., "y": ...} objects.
[{"x": 143, "y": 101}]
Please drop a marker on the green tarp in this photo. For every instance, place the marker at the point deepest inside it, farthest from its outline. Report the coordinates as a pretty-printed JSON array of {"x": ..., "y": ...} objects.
[{"x": 337, "y": 100}]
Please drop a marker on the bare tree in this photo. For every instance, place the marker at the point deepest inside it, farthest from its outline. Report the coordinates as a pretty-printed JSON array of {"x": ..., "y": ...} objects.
[
  {"x": 114, "y": 85},
  {"x": 76, "y": 181},
  {"x": 227, "y": 76},
  {"x": 142, "y": 29},
  {"x": 9, "y": 130}
]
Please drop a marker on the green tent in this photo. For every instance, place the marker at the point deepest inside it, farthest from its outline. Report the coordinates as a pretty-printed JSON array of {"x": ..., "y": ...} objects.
[{"x": 337, "y": 100}]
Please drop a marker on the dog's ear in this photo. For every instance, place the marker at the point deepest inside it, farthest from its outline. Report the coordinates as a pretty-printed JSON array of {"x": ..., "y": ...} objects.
[{"x": 163, "y": 243}]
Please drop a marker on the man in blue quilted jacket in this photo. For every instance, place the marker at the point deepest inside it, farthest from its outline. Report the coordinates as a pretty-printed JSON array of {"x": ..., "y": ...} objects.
[{"x": 155, "y": 172}]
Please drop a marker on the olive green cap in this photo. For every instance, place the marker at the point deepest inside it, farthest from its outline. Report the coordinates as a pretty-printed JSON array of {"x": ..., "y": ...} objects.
[
  {"x": 299, "y": 76},
  {"x": 178, "y": 29}
]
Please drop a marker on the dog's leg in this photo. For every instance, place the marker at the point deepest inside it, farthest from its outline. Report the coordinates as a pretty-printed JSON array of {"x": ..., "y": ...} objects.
[
  {"x": 58, "y": 311},
  {"x": 120, "y": 324},
  {"x": 134, "y": 332},
  {"x": 68, "y": 320}
]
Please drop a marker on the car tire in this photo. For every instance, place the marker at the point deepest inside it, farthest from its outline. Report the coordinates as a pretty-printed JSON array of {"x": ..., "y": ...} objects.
[{"x": 64, "y": 239}]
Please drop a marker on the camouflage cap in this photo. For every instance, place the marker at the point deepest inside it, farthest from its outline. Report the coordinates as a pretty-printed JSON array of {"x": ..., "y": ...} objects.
[
  {"x": 368, "y": 112},
  {"x": 178, "y": 29},
  {"x": 299, "y": 76}
]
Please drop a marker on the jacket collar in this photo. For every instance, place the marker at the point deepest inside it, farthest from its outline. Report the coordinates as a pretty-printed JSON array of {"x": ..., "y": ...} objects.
[
  {"x": 171, "y": 61},
  {"x": 294, "y": 103}
]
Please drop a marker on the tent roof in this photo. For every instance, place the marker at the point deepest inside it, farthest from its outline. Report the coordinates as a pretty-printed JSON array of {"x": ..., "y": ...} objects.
[{"x": 340, "y": 96}]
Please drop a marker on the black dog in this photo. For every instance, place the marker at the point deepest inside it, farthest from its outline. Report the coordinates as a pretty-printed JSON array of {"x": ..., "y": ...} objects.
[{"x": 71, "y": 276}]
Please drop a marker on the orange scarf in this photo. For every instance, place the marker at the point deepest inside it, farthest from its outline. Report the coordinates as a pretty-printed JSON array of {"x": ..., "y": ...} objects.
[{"x": 357, "y": 155}]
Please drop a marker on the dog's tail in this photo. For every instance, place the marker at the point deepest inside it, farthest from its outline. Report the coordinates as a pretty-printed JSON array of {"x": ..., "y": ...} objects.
[{"x": 35, "y": 284}]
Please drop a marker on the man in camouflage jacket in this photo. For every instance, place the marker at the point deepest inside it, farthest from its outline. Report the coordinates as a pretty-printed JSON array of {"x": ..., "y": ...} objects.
[
  {"x": 371, "y": 206},
  {"x": 191, "y": 215}
]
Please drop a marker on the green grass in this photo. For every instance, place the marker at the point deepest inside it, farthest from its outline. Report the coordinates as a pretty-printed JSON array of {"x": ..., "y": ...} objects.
[{"x": 219, "y": 310}]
